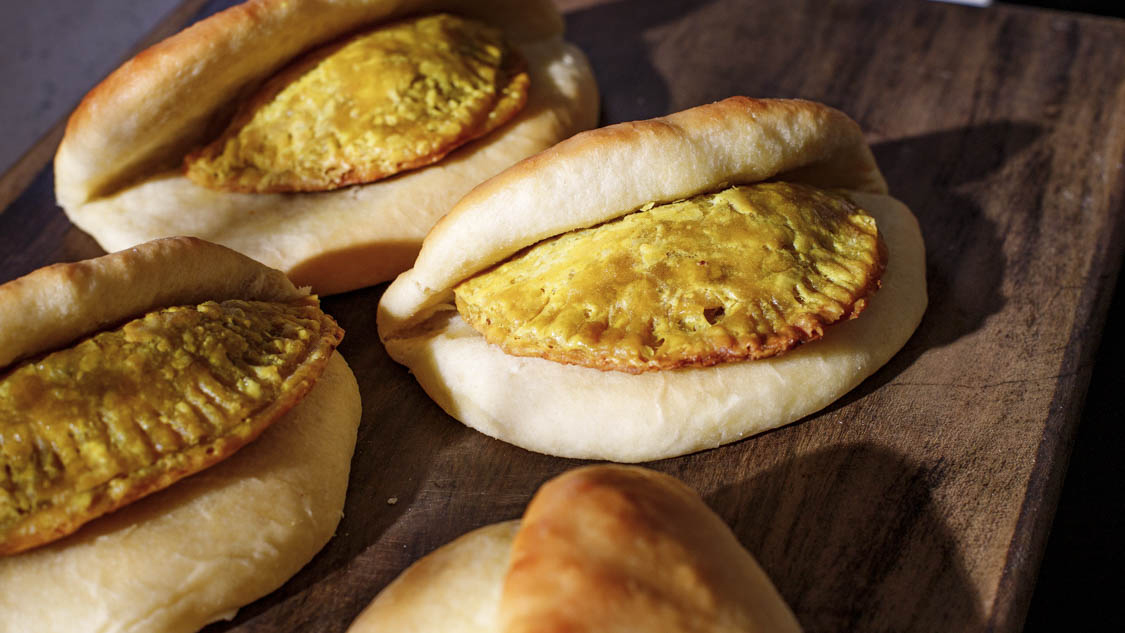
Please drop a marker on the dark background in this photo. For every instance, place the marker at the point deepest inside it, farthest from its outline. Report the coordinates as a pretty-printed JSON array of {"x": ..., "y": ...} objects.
[
  {"x": 1116, "y": 9},
  {"x": 1080, "y": 579}
]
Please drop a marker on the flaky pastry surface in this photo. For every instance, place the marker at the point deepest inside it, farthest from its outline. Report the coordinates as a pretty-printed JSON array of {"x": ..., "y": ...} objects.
[
  {"x": 745, "y": 273},
  {"x": 196, "y": 551},
  {"x": 90, "y": 428},
  {"x": 395, "y": 98}
]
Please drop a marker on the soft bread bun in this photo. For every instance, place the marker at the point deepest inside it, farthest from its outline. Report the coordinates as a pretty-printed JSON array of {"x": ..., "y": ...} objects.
[
  {"x": 118, "y": 170},
  {"x": 195, "y": 552},
  {"x": 60, "y": 303},
  {"x": 596, "y": 176},
  {"x": 600, "y": 549}
]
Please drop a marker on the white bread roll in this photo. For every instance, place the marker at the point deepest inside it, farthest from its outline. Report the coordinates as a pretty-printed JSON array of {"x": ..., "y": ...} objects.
[
  {"x": 118, "y": 170},
  {"x": 599, "y": 175},
  {"x": 195, "y": 552},
  {"x": 601, "y": 549}
]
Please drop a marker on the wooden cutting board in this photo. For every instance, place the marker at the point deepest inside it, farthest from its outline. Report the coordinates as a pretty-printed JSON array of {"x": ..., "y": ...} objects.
[{"x": 920, "y": 501}]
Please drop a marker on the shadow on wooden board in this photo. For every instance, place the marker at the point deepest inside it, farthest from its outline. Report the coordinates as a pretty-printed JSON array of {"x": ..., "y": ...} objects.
[
  {"x": 934, "y": 174},
  {"x": 830, "y": 530}
]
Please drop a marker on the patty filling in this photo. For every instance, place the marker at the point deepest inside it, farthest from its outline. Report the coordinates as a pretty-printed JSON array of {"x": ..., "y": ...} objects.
[
  {"x": 90, "y": 428},
  {"x": 395, "y": 98},
  {"x": 740, "y": 274}
]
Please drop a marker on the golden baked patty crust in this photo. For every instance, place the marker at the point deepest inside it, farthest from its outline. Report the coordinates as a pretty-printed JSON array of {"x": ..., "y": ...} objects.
[
  {"x": 395, "y": 98},
  {"x": 744, "y": 273},
  {"x": 88, "y": 429}
]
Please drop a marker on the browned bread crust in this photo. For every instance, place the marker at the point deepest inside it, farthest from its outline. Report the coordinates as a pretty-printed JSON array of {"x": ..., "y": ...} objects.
[
  {"x": 639, "y": 551},
  {"x": 600, "y": 549}
]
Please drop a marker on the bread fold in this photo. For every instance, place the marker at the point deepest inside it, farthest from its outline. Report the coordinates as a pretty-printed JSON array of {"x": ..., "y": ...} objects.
[
  {"x": 200, "y": 549},
  {"x": 60, "y": 303},
  {"x": 599, "y": 175},
  {"x": 118, "y": 170}
]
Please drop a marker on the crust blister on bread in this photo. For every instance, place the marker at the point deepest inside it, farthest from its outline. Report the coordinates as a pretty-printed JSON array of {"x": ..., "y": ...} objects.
[
  {"x": 594, "y": 177},
  {"x": 118, "y": 167},
  {"x": 599, "y": 548}
]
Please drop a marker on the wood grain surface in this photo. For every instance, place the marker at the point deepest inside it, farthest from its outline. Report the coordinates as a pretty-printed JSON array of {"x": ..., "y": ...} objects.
[{"x": 920, "y": 501}]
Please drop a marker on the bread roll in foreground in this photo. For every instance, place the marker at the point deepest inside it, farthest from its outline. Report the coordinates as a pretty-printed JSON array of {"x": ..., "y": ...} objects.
[
  {"x": 600, "y": 549},
  {"x": 598, "y": 176},
  {"x": 119, "y": 171},
  {"x": 198, "y": 550}
]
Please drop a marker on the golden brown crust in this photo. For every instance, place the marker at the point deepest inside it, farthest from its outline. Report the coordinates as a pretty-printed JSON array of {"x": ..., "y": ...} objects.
[
  {"x": 601, "y": 549},
  {"x": 639, "y": 551},
  {"x": 58, "y": 304}
]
